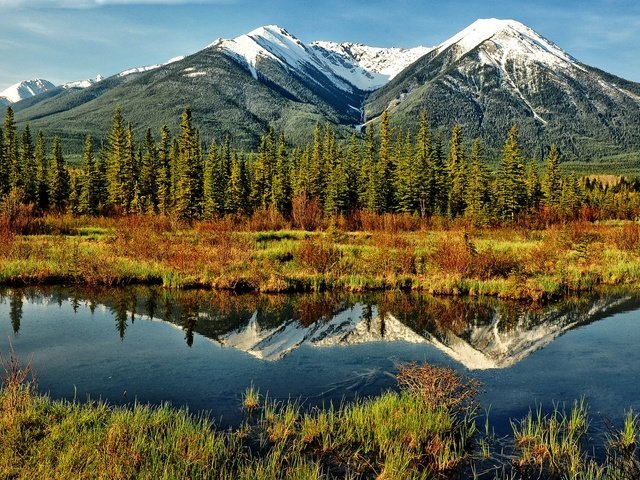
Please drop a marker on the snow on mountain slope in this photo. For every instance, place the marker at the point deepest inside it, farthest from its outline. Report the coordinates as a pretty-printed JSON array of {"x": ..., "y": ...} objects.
[
  {"x": 26, "y": 89},
  {"x": 369, "y": 67},
  {"x": 508, "y": 36},
  {"x": 83, "y": 83},
  {"x": 149, "y": 67},
  {"x": 346, "y": 65}
]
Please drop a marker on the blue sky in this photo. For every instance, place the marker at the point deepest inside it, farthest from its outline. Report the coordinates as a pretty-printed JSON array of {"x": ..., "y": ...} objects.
[{"x": 65, "y": 40}]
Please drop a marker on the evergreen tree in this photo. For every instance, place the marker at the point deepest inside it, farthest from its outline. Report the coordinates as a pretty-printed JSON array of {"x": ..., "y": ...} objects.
[
  {"x": 214, "y": 186},
  {"x": 337, "y": 191},
  {"x": 59, "y": 183},
  {"x": 128, "y": 174},
  {"x": 187, "y": 202},
  {"x": 316, "y": 172},
  {"x": 281, "y": 186},
  {"x": 148, "y": 177},
  {"x": 457, "y": 175},
  {"x": 478, "y": 192},
  {"x": 11, "y": 160},
  {"x": 89, "y": 184},
  {"x": 164, "y": 181},
  {"x": 27, "y": 172},
  {"x": 4, "y": 168},
  {"x": 440, "y": 179},
  {"x": 385, "y": 168},
  {"x": 353, "y": 168},
  {"x": 237, "y": 194},
  {"x": 42, "y": 175},
  {"x": 425, "y": 167},
  {"x": 408, "y": 178},
  {"x": 511, "y": 188},
  {"x": 551, "y": 181},
  {"x": 117, "y": 160},
  {"x": 532, "y": 183},
  {"x": 369, "y": 173}
]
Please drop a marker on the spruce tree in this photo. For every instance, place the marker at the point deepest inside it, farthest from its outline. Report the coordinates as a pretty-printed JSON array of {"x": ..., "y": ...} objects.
[
  {"x": 10, "y": 144},
  {"x": 187, "y": 201},
  {"x": 385, "y": 168},
  {"x": 59, "y": 183},
  {"x": 457, "y": 175},
  {"x": 42, "y": 173},
  {"x": 237, "y": 194},
  {"x": 4, "y": 168},
  {"x": 353, "y": 168},
  {"x": 117, "y": 160},
  {"x": 551, "y": 181},
  {"x": 214, "y": 188},
  {"x": 164, "y": 181},
  {"x": 425, "y": 167},
  {"x": 89, "y": 183},
  {"x": 337, "y": 190},
  {"x": 281, "y": 186},
  {"x": 478, "y": 191},
  {"x": 27, "y": 167},
  {"x": 148, "y": 177},
  {"x": 510, "y": 184}
]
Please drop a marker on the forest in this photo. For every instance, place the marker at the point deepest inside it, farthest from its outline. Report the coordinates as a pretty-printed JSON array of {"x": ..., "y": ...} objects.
[{"x": 382, "y": 171}]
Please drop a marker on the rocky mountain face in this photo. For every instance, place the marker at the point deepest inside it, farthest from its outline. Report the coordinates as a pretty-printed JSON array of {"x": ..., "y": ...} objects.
[
  {"x": 25, "y": 89},
  {"x": 497, "y": 73},
  {"x": 493, "y": 74}
]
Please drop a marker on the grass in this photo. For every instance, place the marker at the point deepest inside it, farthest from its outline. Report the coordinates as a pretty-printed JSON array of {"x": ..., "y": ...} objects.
[
  {"x": 397, "y": 253},
  {"x": 425, "y": 430}
]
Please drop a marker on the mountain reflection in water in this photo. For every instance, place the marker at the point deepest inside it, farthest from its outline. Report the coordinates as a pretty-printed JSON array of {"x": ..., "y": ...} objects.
[{"x": 479, "y": 333}]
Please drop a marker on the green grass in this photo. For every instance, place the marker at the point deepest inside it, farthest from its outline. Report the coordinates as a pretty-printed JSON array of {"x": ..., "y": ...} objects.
[
  {"x": 507, "y": 262},
  {"x": 417, "y": 432}
]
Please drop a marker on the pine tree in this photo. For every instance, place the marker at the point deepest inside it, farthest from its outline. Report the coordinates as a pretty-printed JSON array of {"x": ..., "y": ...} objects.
[
  {"x": 128, "y": 173},
  {"x": 27, "y": 169},
  {"x": 425, "y": 167},
  {"x": 407, "y": 179},
  {"x": 337, "y": 191},
  {"x": 237, "y": 194},
  {"x": 440, "y": 179},
  {"x": 317, "y": 168},
  {"x": 214, "y": 187},
  {"x": 281, "y": 186},
  {"x": 478, "y": 192},
  {"x": 59, "y": 183},
  {"x": 456, "y": 170},
  {"x": 385, "y": 168},
  {"x": 511, "y": 187},
  {"x": 187, "y": 202},
  {"x": 532, "y": 183},
  {"x": 164, "y": 172},
  {"x": 42, "y": 175},
  {"x": 551, "y": 181},
  {"x": 10, "y": 144},
  {"x": 4, "y": 168},
  {"x": 369, "y": 173},
  {"x": 148, "y": 177},
  {"x": 353, "y": 168}
]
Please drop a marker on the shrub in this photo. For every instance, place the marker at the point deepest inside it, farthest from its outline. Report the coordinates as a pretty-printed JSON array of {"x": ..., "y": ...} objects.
[{"x": 318, "y": 255}]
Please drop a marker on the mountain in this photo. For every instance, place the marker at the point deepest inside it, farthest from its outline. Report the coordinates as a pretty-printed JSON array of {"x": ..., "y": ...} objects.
[
  {"x": 23, "y": 90},
  {"x": 493, "y": 74},
  {"x": 496, "y": 73}
]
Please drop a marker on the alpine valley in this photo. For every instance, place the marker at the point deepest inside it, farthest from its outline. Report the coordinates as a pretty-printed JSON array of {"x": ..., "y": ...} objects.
[{"x": 493, "y": 74}]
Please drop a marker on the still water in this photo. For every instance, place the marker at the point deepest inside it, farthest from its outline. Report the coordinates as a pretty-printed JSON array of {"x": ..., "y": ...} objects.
[{"x": 203, "y": 349}]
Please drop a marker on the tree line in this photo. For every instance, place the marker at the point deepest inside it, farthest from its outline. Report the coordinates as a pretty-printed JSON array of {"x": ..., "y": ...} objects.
[{"x": 384, "y": 171}]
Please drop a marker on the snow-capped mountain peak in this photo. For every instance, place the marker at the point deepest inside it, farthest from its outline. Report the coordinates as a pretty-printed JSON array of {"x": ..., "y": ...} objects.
[
  {"x": 26, "y": 89},
  {"x": 346, "y": 65},
  {"x": 508, "y": 36}
]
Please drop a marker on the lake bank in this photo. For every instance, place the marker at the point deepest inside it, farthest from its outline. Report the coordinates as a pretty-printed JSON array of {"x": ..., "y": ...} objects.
[{"x": 446, "y": 259}]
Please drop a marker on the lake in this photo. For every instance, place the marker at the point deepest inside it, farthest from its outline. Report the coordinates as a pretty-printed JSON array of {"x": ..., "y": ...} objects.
[{"x": 203, "y": 349}]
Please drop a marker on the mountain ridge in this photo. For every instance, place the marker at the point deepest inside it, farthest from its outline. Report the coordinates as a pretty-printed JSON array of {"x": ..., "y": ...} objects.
[{"x": 491, "y": 75}]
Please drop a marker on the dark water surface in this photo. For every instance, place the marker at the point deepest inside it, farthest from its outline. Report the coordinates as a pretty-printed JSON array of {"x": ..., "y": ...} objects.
[{"x": 202, "y": 349}]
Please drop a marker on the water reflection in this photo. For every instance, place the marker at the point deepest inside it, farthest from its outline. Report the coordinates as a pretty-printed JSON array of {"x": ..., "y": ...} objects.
[{"x": 479, "y": 333}]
